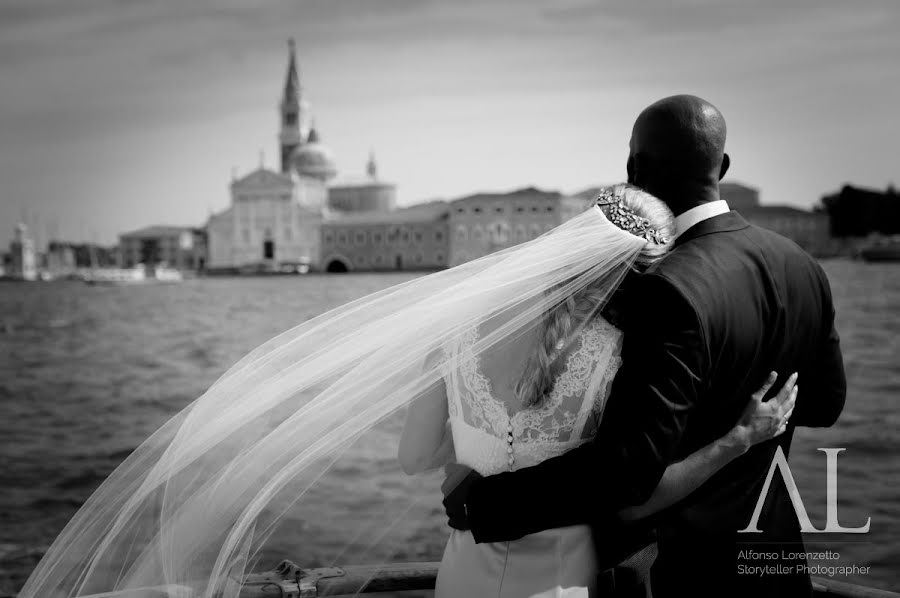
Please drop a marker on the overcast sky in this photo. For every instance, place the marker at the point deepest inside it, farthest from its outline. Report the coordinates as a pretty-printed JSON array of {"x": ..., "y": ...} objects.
[{"x": 117, "y": 114}]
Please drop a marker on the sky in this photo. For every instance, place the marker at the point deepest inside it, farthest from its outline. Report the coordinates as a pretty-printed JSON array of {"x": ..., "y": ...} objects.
[{"x": 118, "y": 114}]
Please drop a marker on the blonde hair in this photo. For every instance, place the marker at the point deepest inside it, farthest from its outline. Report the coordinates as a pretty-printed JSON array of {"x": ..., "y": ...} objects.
[{"x": 537, "y": 381}]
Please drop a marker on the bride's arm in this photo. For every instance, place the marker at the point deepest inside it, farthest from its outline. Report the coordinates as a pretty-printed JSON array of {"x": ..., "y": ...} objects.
[
  {"x": 426, "y": 442},
  {"x": 761, "y": 421}
]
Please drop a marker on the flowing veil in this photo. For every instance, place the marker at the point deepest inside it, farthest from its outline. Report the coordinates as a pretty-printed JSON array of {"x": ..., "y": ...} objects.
[{"x": 309, "y": 420}]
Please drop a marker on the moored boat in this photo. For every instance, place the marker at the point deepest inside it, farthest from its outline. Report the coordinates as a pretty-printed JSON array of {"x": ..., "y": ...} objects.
[
  {"x": 886, "y": 250},
  {"x": 881, "y": 254}
]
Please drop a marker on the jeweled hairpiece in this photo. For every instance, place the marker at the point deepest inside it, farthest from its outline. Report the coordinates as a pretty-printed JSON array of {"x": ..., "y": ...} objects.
[{"x": 624, "y": 217}]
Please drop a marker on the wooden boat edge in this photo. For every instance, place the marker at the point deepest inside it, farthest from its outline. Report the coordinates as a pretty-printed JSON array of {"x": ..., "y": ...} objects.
[
  {"x": 288, "y": 580},
  {"x": 371, "y": 579}
]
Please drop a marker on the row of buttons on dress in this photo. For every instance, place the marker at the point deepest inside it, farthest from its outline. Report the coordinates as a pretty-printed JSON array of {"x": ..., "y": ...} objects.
[{"x": 509, "y": 447}]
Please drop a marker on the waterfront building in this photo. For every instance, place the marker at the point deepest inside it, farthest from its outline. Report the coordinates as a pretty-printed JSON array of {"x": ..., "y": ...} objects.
[
  {"x": 859, "y": 212},
  {"x": 199, "y": 256},
  {"x": 61, "y": 258},
  {"x": 740, "y": 197},
  {"x": 90, "y": 255},
  {"x": 807, "y": 228},
  {"x": 411, "y": 238},
  {"x": 363, "y": 230},
  {"x": 487, "y": 222},
  {"x": 441, "y": 234},
  {"x": 170, "y": 246},
  {"x": 21, "y": 262}
]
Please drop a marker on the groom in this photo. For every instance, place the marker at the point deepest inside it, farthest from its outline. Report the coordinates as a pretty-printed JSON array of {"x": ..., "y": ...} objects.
[{"x": 704, "y": 326}]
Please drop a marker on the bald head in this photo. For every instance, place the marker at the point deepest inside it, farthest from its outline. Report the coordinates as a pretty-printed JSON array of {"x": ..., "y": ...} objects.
[{"x": 678, "y": 149}]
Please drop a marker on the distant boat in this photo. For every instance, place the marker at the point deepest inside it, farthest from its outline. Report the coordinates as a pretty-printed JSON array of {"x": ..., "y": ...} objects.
[
  {"x": 293, "y": 268},
  {"x": 887, "y": 250},
  {"x": 272, "y": 269},
  {"x": 127, "y": 276}
]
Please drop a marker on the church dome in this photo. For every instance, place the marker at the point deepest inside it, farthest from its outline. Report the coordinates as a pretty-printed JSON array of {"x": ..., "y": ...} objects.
[{"x": 313, "y": 159}]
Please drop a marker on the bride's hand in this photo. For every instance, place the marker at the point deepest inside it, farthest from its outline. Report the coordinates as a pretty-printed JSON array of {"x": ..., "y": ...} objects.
[{"x": 764, "y": 420}]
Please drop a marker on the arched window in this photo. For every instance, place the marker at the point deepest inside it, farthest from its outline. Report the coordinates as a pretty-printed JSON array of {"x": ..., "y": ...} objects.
[
  {"x": 520, "y": 234},
  {"x": 461, "y": 233},
  {"x": 498, "y": 233}
]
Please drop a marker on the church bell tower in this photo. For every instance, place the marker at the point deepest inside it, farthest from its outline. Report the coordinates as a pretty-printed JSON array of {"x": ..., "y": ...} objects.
[{"x": 293, "y": 111}]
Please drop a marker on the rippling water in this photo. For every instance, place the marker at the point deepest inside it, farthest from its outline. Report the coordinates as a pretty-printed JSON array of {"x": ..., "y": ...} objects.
[{"x": 86, "y": 373}]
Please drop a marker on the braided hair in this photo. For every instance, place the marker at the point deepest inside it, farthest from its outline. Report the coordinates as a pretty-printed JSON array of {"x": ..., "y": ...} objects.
[{"x": 575, "y": 310}]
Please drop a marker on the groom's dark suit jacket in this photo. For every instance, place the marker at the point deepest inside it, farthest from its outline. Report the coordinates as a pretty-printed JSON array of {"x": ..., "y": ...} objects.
[{"x": 703, "y": 327}]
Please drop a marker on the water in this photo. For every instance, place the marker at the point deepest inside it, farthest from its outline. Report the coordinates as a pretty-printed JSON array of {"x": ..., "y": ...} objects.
[{"x": 86, "y": 373}]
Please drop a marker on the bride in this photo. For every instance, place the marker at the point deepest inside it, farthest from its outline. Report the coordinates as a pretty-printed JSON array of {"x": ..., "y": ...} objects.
[
  {"x": 535, "y": 397},
  {"x": 505, "y": 360}
]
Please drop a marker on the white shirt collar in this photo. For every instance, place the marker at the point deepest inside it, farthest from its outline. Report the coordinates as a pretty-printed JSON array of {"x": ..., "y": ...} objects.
[{"x": 698, "y": 214}]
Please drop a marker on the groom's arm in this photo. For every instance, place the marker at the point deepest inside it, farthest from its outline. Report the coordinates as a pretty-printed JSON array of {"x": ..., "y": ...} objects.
[
  {"x": 824, "y": 382},
  {"x": 664, "y": 363}
]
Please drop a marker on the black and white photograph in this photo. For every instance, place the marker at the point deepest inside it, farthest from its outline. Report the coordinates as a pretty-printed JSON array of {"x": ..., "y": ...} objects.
[{"x": 449, "y": 298}]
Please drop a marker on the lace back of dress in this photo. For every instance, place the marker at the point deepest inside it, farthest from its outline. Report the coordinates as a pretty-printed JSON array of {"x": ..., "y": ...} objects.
[{"x": 490, "y": 438}]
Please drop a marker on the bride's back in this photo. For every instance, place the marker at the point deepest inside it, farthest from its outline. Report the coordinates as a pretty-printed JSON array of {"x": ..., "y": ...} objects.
[{"x": 494, "y": 431}]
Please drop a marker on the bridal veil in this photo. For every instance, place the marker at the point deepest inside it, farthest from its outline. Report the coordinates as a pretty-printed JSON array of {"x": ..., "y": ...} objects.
[{"x": 216, "y": 491}]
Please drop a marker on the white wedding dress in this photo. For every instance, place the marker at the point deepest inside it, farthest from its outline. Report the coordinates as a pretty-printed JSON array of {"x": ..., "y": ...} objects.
[{"x": 558, "y": 562}]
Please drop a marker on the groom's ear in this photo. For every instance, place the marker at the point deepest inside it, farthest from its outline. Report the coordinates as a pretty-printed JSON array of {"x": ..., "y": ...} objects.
[{"x": 726, "y": 162}]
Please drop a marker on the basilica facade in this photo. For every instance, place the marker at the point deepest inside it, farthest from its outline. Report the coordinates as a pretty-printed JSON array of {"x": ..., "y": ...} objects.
[
  {"x": 274, "y": 218},
  {"x": 272, "y": 223}
]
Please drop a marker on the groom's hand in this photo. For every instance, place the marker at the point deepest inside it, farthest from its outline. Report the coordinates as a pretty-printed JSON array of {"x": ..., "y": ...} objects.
[{"x": 458, "y": 479}]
